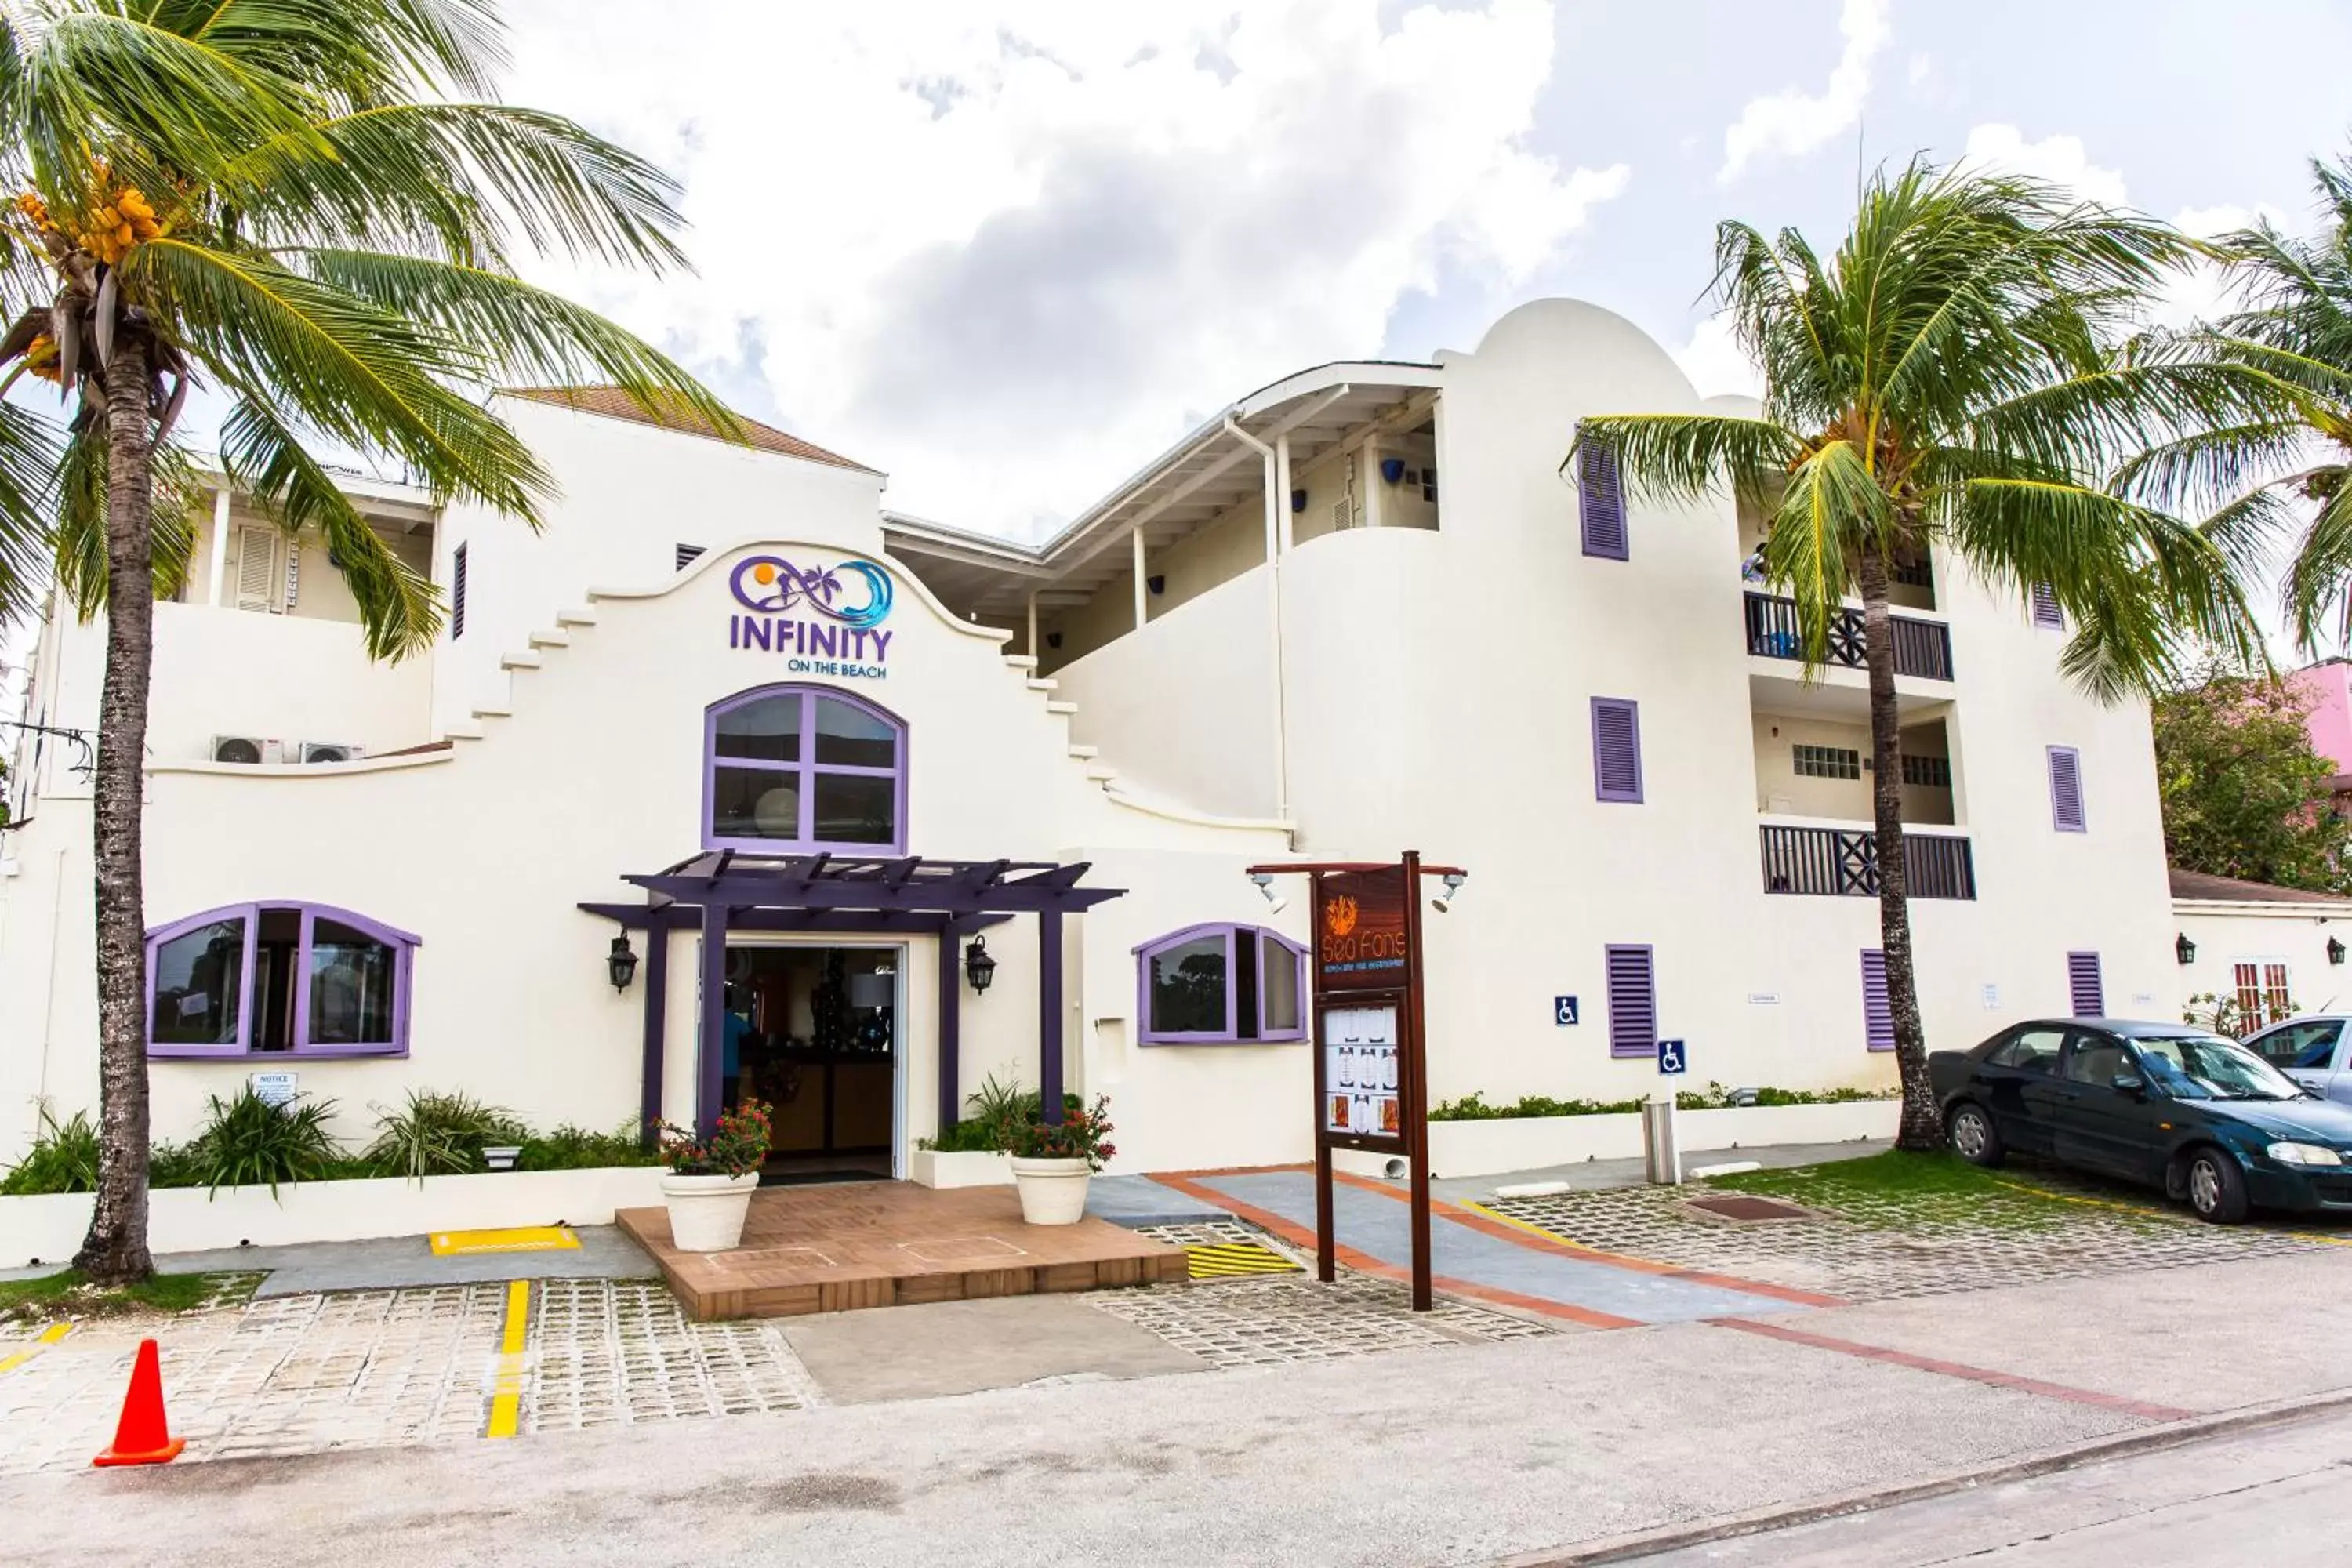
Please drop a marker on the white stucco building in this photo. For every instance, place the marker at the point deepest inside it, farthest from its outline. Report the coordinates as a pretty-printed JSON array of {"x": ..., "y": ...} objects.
[{"x": 1357, "y": 611}]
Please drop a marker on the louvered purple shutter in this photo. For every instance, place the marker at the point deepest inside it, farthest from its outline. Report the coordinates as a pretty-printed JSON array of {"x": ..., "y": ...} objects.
[
  {"x": 457, "y": 595},
  {"x": 1633, "y": 1003},
  {"x": 2066, "y": 790},
  {"x": 1616, "y": 749},
  {"x": 2046, "y": 613},
  {"x": 1878, "y": 1013},
  {"x": 1600, "y": 501},
  {"x": 2083, "y": 980}
]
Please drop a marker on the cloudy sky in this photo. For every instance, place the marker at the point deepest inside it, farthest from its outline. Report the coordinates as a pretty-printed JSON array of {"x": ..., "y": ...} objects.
[{"x": 1007, "y": 251}]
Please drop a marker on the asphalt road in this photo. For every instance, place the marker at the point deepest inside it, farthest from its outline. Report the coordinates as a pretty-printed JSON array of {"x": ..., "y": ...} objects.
[{"x": 2274, "y": 1496}]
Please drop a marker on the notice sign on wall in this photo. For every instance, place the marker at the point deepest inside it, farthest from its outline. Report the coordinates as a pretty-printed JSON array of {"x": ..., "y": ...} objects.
[
  {"x": 1360, "y": 1072},
  {"x": 1360, "y": 932}
]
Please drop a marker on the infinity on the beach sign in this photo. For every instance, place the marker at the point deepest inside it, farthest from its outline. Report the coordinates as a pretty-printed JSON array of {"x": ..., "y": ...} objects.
[{"x": 812, "y": 617}]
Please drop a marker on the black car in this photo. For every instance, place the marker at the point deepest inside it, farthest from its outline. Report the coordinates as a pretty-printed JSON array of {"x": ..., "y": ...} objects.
[{"x": 2168, "y": 1105}]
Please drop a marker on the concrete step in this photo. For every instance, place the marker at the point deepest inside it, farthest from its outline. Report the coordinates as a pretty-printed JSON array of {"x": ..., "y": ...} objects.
[
  {"x": 1085, "y": 753},
  {"x": 1102, "y": 772},
  {"x": 1021, "y": 660},
  {"x": 494, "y": 711},
  {"x": 558, "y": 639},
  {"x": 1061, "y": 707},
  {"x": 462, "y": 732},
  {"x": 1044, "y": 685},
  {"x": 581, "y": 616},
  {"x": 519, "y": 661}
]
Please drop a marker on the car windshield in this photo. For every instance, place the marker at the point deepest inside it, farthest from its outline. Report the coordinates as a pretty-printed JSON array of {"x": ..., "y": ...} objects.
[{"x": 2207, "y": 1066}]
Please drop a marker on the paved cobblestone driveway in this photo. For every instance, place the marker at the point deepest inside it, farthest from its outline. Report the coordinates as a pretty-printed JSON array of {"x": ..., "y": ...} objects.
[{"x": 2051, "y": 1229}]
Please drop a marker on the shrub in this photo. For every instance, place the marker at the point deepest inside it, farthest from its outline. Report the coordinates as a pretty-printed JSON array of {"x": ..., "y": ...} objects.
[
  {"x": 1715, "y": 1097},
  {"x": 249, "y": 1142},
  {"x": 437, "y": 1135},
  {"x": 1081, "y": 1134},
  {"x": 994, "y": 1107},
  {"x": 63, "y": 1158},
  {"x": 570, "y": 1148},
  {"x": 737, "y": 1148}
]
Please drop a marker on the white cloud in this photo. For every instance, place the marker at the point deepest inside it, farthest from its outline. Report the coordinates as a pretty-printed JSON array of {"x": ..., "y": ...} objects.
[
  {"x": 2061, "y": 159},
  {"x": 1715, "y": 363},
  {"x": 1008, "y": 259},
  {"x": 1792, "y": 122}
]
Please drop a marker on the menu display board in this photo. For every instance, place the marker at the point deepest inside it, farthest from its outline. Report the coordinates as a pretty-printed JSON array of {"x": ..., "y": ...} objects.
[{"x": 1360, "y": 1072}]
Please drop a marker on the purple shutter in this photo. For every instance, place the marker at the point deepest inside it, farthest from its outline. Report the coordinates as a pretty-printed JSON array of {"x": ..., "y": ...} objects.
[
  {"x": 457, "y": 595},
  {"x": 2083, "y": 981},
  {"x": 1877, "y": 1013},
  {"x": 1633, "y": 1003},
  {"x": 2046, "y": 613},
  {"x": 1616, "y": 749},
  {"x": 2066, "y": 790},
  {"x": 1600, "y": 501}
]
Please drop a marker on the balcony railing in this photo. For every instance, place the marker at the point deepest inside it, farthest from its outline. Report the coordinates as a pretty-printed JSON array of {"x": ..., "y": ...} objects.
[
  {"x": 1923, "y": 648},
  {"x": 1837, "y": 861}
]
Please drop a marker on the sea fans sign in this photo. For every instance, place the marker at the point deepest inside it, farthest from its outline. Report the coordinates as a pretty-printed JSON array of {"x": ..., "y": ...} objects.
[{"x": 1371, "y": 1085}]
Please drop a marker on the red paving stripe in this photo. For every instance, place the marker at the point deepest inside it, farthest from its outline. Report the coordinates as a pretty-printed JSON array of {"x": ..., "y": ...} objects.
[
  {"x": 2115, "y": 1402},
  {"x": 1563, "y": 1247},
  {"x": 1365, "y": 1263}
]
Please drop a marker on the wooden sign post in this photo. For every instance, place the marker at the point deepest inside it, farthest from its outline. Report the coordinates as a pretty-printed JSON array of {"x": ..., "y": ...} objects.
[{"x": 1371, "y": 1083}]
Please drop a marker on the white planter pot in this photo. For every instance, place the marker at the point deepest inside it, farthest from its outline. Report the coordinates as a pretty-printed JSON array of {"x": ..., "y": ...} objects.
[
  {"x": 706, "y": 1212},
  {"x": 930, "y": 1168},
  {"x": 1052, "y": 1192}
]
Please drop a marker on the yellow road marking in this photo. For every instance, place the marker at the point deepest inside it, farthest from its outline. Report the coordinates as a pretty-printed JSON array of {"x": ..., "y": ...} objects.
[
  {"x": 41, "y": 1342},
  {"x": 522, "y": 1238},
  {"x": 1527, "y": 1225},
  {"x": 506, "y": 1381},
  {"x": 1225, "y": 1260},
  {"x": 2151, "y": 1209}
]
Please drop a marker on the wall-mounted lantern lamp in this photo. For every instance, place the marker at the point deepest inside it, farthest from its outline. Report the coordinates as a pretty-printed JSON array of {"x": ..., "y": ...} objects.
[
  {"x": 2335, "y": 949},
  {"x": 621, "y": 962},
  {"x": 2184, "y": 949},
  {"x": 1052, "y": 639},
  {"x": 1299, "y": 500},
  {"x": 1157, "y": 583},
  {"x": 1392, "y": 469},
  {"x": 978, "y": 967}
]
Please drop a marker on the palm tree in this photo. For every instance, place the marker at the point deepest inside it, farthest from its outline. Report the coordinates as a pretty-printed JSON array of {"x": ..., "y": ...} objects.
[
  {"x": 313, "y": 206},
  {"x": 1958, "y": 376},
  {"x": 2256, "y": 475}
]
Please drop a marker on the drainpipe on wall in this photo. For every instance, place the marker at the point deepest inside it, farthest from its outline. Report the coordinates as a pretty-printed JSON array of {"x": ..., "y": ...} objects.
[
  {"x": 217, "y": 567},
  {"x": 1274, "y": 503},
  {"x": 1282, "y": 483},
  {"x": 1030, "y": 647},
  {"x": 1142, "y": 601}
]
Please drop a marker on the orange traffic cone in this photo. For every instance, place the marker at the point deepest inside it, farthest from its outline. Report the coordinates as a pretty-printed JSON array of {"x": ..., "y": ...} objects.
[{"x": 143, "y": 1436}]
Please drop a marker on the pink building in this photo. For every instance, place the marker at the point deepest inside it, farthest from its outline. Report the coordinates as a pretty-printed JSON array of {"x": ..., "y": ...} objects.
[{"x": 2329, "y": 685}]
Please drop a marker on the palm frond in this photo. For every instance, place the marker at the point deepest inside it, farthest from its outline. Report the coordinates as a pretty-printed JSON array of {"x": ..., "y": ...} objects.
[
  {"x": 2317, "y": 579},
  {"x": 28, "y": 459},
  {"x": 1831, "y": 510},
  {"x": 1680, "y": 458},
  {"x": 79, "y": 539},
  {"x": 400, "y": 608},
  {"x": 359, "y": 50}
]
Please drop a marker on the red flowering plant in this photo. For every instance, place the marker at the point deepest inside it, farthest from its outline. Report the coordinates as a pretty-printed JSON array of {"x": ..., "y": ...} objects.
[
  {"x": 738, "y": 1147},
  {"x": 1083, "y": 1134}
]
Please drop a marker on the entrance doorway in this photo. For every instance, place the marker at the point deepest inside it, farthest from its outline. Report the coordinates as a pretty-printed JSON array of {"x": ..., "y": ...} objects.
[{"x": 814, "y": 1031}]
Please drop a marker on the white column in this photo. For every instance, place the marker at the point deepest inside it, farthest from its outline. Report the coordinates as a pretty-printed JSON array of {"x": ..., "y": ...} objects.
[
  {"x": 1373, "y": 483},
  {"x": 1143, "y": 593},
  {"x": 1282, "y": 483},
  {"x": 1030, "y": 647},
  {"x": 218, "y": 565}
]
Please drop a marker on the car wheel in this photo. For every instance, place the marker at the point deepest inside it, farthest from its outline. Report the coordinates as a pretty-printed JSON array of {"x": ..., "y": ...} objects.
[
  {"x": 1974, "y": 1138},
  {"x": 2217, "y": 1188}
]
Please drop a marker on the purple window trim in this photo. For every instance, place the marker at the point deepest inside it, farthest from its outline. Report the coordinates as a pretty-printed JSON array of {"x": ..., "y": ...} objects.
[
  {"x": 2068, "y": 816},
  {"x": 2086, "y": 985},
  {"x": 1878, "y": 1009},
  {"x": 403, "y": 944},
  {"x": 1628, "y": 758},
  {"x": 1638, "y": 1036},
  {"x": 1230, "y": 1035},
  {"x": 1601, "y": 503},
  {"x": 807, "y": 769},
  {"x": 457, "y": 594}
]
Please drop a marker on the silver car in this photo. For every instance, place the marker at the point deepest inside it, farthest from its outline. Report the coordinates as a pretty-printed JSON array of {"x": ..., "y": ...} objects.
[{"x": 2316, "y": 1050}]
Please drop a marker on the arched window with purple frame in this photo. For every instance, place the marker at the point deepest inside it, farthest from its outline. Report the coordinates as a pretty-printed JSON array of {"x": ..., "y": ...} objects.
[
  {"x": 790, "y": 768},
  {"x": 277, "y": 979},
  {"x": 1220, "y": 984}
]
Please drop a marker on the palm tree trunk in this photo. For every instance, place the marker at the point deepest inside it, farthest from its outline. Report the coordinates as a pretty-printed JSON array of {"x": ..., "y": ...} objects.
[
  {"x": 1922, "y": 1126},
  {"x": 115, "y": 1250}
]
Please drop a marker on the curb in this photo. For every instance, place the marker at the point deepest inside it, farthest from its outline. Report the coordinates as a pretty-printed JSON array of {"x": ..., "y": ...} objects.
[{"x": 1760, "y": 1522}]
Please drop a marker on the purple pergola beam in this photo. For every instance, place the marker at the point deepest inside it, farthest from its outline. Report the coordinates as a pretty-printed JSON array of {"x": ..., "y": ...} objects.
[
  {"x": 1049, "y": 1013},
  {"x": 657, "y": 983},
  {"x": 713, "y": 1047},
  {"x": 951, "y": 1030}
]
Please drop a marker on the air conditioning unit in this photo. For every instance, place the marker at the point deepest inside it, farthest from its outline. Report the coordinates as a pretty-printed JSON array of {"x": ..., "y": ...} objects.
[
  {"x": 248, "y": 750},
  {"x": 332, "y": 752}
]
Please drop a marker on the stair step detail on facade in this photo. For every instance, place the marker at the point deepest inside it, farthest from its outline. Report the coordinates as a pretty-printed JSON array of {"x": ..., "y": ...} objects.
[
  {"x": 1044, "y": 685},
  {"x": 519, "y": 661},
  {"x": 1085, "y": 753},
  {"x": 494, "y": 712},
  {"x": 550, "y": 639},
  {"x": 462, "y": 732},
  {"x": 1102, "y": 772},
  {"x": 1061, "y": 707},
  {"x": 583, "y": 616},
  {"x": 1020, "y": 661}
]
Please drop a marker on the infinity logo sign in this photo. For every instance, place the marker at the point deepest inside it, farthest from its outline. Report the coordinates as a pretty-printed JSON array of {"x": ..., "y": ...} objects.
[{"x": 772, "y": 584}]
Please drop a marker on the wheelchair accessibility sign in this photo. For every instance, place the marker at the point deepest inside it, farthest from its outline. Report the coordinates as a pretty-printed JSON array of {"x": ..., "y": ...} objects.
[
  {"x": 1563, "y": 1010},
  {"x": 1672, "y": 1058}
]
